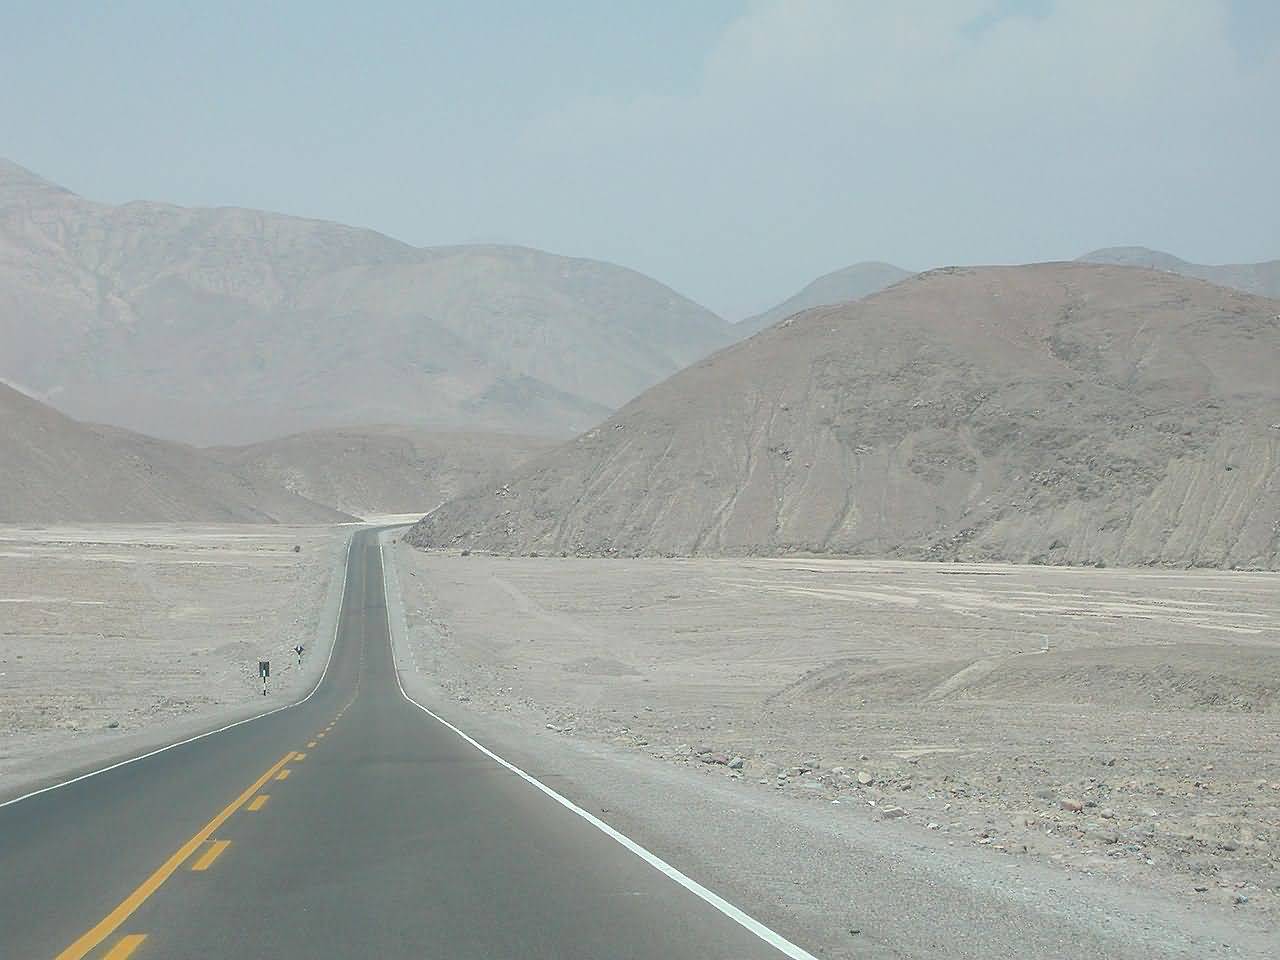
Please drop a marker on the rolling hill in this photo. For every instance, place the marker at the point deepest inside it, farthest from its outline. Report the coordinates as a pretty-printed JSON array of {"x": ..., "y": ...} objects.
[
  {"x": 840, "y": 286},
  {"x": 222, "y": 326},
  {"x": 380, "y": 470},
  {"x": 1260, "y": 278},
  {"x": 58, "y": 470},
  {"x": 1053, "y": 413}
]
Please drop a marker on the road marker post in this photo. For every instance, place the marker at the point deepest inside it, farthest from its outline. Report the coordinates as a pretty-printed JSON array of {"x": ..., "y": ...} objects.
[{"x": 264, "y": 672}]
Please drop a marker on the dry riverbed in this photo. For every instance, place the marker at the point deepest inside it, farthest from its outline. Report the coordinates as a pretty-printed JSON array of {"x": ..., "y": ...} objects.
[
  {"x": 1115, "y": 722},
  {"x": 112, "y": 630}
]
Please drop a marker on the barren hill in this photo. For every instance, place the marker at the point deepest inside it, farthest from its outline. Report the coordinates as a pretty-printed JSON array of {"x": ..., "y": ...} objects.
[
  {"x": 850, "y": 283},
  {"x": 230, "y": 326},
  {"x": 1057, "y": 413},
  {"x": 54, "y": 469},
  {"x": 384, "y": 469},
  {"x": 1260, "y": 278}
]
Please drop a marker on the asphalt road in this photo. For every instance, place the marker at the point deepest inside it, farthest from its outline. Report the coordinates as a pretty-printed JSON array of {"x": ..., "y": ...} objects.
[{"x": 353, "y": 825}]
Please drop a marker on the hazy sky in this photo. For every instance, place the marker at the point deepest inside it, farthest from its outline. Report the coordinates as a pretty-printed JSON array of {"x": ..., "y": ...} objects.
[{"x": 734, "y": 150}]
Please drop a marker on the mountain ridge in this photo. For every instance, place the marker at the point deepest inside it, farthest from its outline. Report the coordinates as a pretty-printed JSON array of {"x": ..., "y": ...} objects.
[
  {"x": 227, "y": 325},
  {"x": 1054, "y": 413}
]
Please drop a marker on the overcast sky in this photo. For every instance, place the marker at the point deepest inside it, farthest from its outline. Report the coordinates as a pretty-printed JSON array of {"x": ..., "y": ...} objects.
[{"x": 733, "y": 150}]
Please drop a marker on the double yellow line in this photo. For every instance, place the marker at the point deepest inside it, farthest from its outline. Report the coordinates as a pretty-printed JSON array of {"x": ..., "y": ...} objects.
[{"x": 111, "y": 922}]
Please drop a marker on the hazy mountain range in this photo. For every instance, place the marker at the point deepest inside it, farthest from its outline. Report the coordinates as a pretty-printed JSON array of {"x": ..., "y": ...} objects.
[
  {"x": 1260, "y": 278},
  {"x": 1060, "y": 413},
  {"x": 228, "y": 325},
  {"x": 388, "y": 469},
  {"x": 56, "y": 470},
  {"x": 850, "y": 283}
]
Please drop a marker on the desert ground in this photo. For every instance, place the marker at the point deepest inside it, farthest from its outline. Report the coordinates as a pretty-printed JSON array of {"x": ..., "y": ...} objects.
[
  {"x": 112, "y": 631},
  {"x": 1122, "y": 723}
]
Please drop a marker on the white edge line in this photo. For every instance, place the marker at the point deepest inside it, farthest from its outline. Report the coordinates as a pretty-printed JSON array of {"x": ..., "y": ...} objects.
[
  {"x": 743, "y": 919},
  {"x": 182, "y": 743}
]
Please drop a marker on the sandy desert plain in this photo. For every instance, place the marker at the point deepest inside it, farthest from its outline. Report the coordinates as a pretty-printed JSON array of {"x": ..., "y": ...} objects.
[
  {"x": 114, "y": 636},
  {"x": 1121, "y": 722},
  {"x": 1117, "y": 723}
]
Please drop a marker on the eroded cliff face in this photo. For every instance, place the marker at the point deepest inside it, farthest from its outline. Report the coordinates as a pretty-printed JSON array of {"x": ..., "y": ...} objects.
[{"x": 1059, "y": 413}]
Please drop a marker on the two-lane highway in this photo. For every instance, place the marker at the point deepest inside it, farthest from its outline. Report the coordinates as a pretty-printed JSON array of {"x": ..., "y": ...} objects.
[{"x": 354, "y": 824}]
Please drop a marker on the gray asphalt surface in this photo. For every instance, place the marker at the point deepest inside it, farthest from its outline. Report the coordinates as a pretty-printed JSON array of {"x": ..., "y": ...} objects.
[{"x": 392, "y": 837}]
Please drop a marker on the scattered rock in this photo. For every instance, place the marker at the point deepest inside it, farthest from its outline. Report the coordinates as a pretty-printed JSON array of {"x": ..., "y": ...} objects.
[
  {"x": 737, "y": 763},
  {"x": 1071, "y": 806},
  {"x": 892, "y": 813},
  {"x": 865, "y": 778}
]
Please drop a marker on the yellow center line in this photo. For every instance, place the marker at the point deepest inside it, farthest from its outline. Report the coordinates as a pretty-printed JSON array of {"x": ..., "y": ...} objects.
[
  {"x": 258, "y": 802},
  {"x": 210, "y": 855},
  {"x": 299, "y": 756},
  {"x": 311, "y": 744},
  {"x": 109, "y": 924},
  {"x": 125, "y": 946},
  {"x": 283, "y": 774},
  {"x": 319, "y": 736}
]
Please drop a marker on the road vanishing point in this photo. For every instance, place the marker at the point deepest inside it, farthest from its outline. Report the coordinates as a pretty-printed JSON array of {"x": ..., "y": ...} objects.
[{"x": 354, "y": 824}]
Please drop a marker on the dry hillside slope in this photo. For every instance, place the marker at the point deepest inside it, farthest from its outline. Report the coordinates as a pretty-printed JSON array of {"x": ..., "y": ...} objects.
[
  {"x": 232, "y": 326},
  {"x": 1260, "y": 278},
  {"x": 851, "y": 283},
  {"x": 383, "y": 469},
  {"x": 56, "y": 470},
  {"x": 1057, "y": 413}
]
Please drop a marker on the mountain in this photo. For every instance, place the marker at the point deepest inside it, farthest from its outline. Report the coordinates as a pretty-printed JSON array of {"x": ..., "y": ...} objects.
[
  {"x": 231, "y": 326},
  {"x": 386, "y": 469},
  {"x": 1054, "y": 413},
  {"x": 1260, "y": 278},
  {"x": 851, "y": 283},
  {"x": 57, "y": 470}
]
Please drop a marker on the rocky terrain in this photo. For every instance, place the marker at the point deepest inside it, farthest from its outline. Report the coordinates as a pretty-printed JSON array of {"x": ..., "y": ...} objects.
[
  {"x": 111, "y": 632},
  {"x": 381, "y": 470},
  {"x": 1260, "y": 278},
  {"x": 232, "y": 326},
  {"x": 1061, "y": 413},
  {"x": 57, "y": 470},
  {"x": 840, "y": 286},
  {"x": 1114, "y": 723}
]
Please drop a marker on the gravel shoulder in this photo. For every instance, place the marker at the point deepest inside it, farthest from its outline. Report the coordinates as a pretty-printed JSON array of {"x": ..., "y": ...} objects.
[
  {"x": 117, "y": 639},
  {"x": 979, "y": 703}
]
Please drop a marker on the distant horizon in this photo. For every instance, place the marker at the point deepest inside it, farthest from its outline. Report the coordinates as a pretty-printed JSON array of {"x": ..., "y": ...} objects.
[
  {"x": 733, "y": 149},
  {"x": 516, "y": 245}
]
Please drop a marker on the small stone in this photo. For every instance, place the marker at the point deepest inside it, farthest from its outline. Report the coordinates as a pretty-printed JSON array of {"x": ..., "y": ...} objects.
[
  {"x": 865, "y": 778},
  {"x": 934, "y": 826},
  {"x": 1239, "y": 899},
  {"x": 113, "y": 724},
  {"x": 1071, "y": 806},
  {"x": 892, "y": 813},
  {"x": 1108, "y": 813},
  {"x": 737, "y": 763}
]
